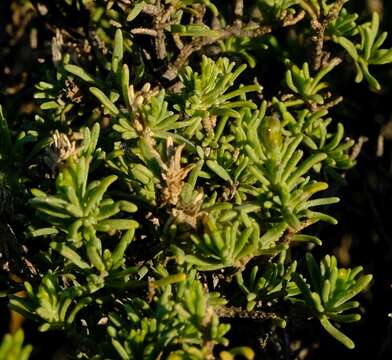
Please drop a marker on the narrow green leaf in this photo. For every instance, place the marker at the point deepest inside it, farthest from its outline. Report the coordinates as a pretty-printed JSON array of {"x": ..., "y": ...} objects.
[
  {"x": 338, "y": 335},
  {"x": 70, "y": 254},
  {"x": 218, "y": 170},
  {"x": 104, "y": 100},
  {"x": 79, "y": 72},
  {"x": 136, "y": 10}
]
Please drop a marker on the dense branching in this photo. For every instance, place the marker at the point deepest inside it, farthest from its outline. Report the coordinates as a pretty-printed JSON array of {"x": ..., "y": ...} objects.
[{"x": 157, "y": 170}]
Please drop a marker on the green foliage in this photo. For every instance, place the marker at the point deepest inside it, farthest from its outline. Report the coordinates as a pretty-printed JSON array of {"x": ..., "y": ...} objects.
[
  {"x": 368, "y": 51},
  {"x": 330, "y": 292},
  {"x": 55, "y": 307},
  {"x": 180, "y": 318},
  {"x": 275, "y": 9},
  {"x": 224, "y": 243},
  {"x": 270, "y": 285},
  {"x": 344, "y": 25},
  {"x": 79, "y": 209},
  {"x": 12, "y": 348},
  {"x": 206, "y": 94},
  {"x": 280, "y": 172},
  {"x": 301, "y": 83},
  {"x": 159, "y": 174}
]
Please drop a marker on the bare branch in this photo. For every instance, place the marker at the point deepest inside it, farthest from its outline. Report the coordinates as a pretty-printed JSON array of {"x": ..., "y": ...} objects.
[
  {"x": 293, "y": 19},
  {"x": 234, "y": 30},
  {"x": 144, "y": 31}
]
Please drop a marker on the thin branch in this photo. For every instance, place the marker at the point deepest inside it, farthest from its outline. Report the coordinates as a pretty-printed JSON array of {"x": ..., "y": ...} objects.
[
  {"x": 144, "y": 31},
  {"x": 357, "y": 148},
  {"x": 290, "y": 233},
  {"x": 237, "y": 312},
  {"x": 152, "y": 10},
  {"x": 236, "y": 30},
  {"x": 293, "y": 19},
  {"x": 319, "y": 27}
]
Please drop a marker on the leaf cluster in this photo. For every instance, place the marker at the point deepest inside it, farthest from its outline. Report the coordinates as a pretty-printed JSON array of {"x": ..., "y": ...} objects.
[{"x": 168, "y": 171}]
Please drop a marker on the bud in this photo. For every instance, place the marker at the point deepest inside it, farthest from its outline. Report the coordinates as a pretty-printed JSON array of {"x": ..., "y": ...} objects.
[{"x": 271, "y": 133}]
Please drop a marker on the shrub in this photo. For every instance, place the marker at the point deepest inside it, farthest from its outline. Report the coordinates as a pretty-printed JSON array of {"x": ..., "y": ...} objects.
[{"x": 160, "y": 191}]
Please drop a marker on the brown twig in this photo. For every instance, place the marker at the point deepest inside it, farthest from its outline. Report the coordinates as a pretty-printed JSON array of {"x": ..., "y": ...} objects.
[
  {"x": 144, "y": 31},
  {"x": 237, "y": 312},
  {"x": 161, "y": 20},
  {"x": 328, "y": 105},
  {"x": 320, "y": 24},
  {"x": 152, "y": 10},
  {"x": 292, "y": 19},
  {"x": 237, "y": 30},
  {"x": 290, "y": 233}
]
